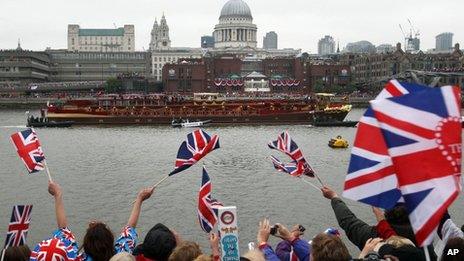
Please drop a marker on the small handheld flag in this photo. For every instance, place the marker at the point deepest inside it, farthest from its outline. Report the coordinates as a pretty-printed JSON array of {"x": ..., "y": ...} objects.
[
  {"x": 29, "y": 150},
  {"x": 19, "y": 226},
  {"x": 207, "y": 206},
  {"x": 197, "y": 145},
  {"x": 298, "y": 166}
]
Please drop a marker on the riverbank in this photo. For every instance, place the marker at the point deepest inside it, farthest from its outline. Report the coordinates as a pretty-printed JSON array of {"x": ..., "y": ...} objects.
[{"x": 26, "y": 103}]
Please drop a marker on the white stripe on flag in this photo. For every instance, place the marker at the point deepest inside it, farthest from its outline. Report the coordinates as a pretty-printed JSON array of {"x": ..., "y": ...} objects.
[
  {"x": 372, "y": 188},
  {"x": 442, "y": 190},
  {"x": 412, "y": 148},
  {"x": 420, "y": 118},
  {"x": 450, "y": 101}
]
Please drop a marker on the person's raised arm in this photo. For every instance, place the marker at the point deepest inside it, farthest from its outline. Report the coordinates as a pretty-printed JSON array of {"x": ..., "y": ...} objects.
[
  {"x": 55, "y": 190},
  {"x": 357, "y": 231},
  {"x": 214, "y": 243},
  {"x": 142, "y": 196}
]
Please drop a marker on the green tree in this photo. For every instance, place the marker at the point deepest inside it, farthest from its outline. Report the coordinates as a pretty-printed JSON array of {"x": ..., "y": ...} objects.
[{"x": 113, "y": 85}]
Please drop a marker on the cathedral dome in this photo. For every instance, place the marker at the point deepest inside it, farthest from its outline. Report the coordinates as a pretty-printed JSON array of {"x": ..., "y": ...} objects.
[{"x": 236, "y": 8}]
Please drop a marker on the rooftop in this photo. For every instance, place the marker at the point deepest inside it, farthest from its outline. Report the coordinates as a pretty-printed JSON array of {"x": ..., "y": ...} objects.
[{"x": 102, "y": 32}]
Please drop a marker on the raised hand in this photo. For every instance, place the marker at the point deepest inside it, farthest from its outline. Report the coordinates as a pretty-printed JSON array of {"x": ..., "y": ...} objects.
[
  {"x": 214, "y": 243},
  {"x": 264, "y": 231},
  {"x": 328, "y": 193},
  {"x": 379, "y": 215},
  {"x": 54, "y": 189},
  {"x": 145, "y": 193}
]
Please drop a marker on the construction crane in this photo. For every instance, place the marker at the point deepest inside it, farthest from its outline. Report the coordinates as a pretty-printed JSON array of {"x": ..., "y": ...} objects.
[
  {"x": 413, "y": 30},
  {"x": 404, "y": 36}
]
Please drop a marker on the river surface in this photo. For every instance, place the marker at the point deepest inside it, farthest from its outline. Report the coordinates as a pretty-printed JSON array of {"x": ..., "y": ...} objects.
[{"x": 101, "y": 169}]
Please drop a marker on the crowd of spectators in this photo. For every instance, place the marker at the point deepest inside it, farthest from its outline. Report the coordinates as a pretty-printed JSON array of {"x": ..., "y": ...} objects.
[{"x": 392, "y": 238}]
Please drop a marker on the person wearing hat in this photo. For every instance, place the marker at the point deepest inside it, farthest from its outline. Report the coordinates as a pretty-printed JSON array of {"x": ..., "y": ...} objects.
[{"x": 158, "y": 244}]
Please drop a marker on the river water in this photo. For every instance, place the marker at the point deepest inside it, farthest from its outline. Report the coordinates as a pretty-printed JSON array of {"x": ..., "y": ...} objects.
[{"x": 101, "y": 169}]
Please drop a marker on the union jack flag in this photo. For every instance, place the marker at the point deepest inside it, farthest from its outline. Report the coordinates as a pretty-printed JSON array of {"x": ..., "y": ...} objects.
[
  {"x": 19, "y": 225},
  {"x": 299, "y": 166},
  {"x": 29, "y": 150},
  {"x": 197, "y": 145},
  {"x": 207, "y": 206},
  {"x": 292, "y": 168},
  {"x": 371, "y": 177},
  {"x": 54, "y": 250},
  {"x": 423, "y": 134}
]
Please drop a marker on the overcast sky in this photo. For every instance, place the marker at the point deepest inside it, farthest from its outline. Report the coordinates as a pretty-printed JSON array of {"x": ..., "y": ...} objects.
[{"x": 299, "y": 23}]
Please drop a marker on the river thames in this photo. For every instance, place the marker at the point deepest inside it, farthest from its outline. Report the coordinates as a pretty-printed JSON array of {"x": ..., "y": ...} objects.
[{"x": 101, "y": 169}]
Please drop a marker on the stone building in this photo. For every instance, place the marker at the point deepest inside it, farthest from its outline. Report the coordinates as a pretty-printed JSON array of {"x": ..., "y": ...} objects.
[
  {"x": 93, "y": 66},
  {"x": 121, "y": 39},
  {"x": 235, "y": 27},
  {"x": 162, "y": 52},
  {"x": 23, "y": 66}
]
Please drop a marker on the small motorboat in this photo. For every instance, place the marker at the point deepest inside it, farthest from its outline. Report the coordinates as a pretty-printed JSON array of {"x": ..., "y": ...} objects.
[
  {"x": 189, "y": 124},
  {"x": 44, "y": 122},
  {"x": 338, "y": 143}
]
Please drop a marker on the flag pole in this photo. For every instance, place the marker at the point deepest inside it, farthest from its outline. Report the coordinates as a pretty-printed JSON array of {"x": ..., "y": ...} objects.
[
  {"x": 3, "y": 254},
  {"x": 48, "y": 171},
  {"x": 159, "y": 182},
  {"x": 427, "y": 254},
  {"x": 319, "y": 179},
  {"x": 310, "y": 183}
]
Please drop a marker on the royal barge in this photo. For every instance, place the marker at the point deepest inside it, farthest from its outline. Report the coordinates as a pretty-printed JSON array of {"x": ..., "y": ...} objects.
[{"x": 162, "y": 109}]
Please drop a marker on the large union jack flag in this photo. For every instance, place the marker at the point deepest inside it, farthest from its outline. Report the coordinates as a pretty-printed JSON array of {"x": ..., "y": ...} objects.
[
  {"x": 54, "y": 250},
  {"x": 371, "y": 177},
  {"x": 422, "y": 132},
  {"x": 207, "y": 206},
  {"x": 29, "y": 150},
  {"x": 197, "y": 145},
  {"x": 19, "y": 225},
  {"x": 298, "y": 166}
]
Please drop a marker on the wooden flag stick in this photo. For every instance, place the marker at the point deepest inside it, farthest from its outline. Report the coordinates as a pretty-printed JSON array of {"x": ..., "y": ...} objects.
[
  {"x": 3, "y": 254},
  {"x": 310, "y": 183},
  {"x": 161, "y": 181},
  {"x": 47, "y": 170},
  {"x": 319, "y": 179}
]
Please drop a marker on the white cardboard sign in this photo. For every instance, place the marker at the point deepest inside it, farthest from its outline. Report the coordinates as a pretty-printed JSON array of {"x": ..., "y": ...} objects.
[{"x": 228, "y": 232}]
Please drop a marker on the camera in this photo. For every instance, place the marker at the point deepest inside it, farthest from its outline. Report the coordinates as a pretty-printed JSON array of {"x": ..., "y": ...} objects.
[
  {"x": 301, "y": 228},
  {"x": 274, "y": 229}
]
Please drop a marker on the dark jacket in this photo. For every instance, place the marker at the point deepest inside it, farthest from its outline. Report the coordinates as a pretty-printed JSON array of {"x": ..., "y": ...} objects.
[{"x": 358, "y": 231}]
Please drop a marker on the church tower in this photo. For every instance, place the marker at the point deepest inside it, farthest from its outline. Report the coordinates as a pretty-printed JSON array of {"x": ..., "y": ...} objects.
[
  {"x": 154, "y": 35},
  {"x": 163, "y": 34}
]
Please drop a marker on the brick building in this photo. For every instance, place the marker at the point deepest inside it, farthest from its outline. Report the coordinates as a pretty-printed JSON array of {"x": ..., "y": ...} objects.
[
  {"x": 231, "y": 74},
  {"x": 373, "y": 69}
]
